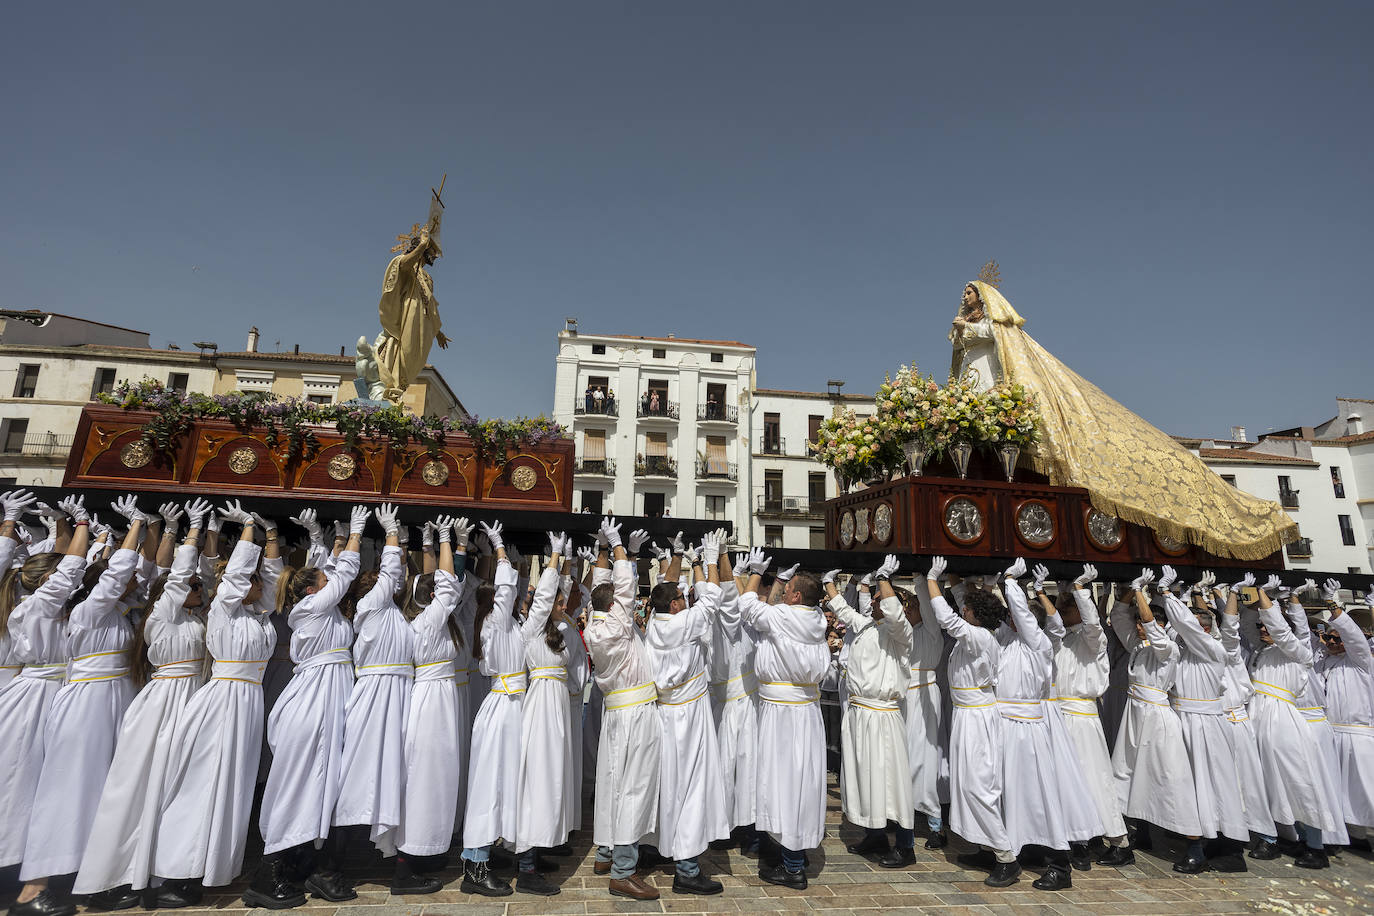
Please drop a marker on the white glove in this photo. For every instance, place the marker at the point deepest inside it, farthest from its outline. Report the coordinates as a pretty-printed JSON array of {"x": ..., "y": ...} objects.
[
  {"x": 588, "y": 555},
  {"x": 1308, "y": 587},
  {"x": 428, "y": 531},
  {"x": 1208, "y": 579},
  {"x": 1329, "y": 590},
  {"x": 196, "y": 510},
  {"x": 555, "y": 544},
  {"x": 722, "y": 537},
  {"x": 43, "y": 510},
  {"x": 1284, "y": 592},
  {"x": 462, "y": 533},
  {"x": 440, "y": 530},
  {"x": 1247, "y": 582},
  {"x": 739, "y": 564},
  {"x": 866, "y": 581},
  {"x": 785, "y": 575},
  {"x": 1087, "y": 577},
  {"x": 213, "y": 522},
  {"x": 265, "y": 524},
  {"x": 710, "y": 548},
  {"x": 1041, "y": 572},
  {"x": 635, "y": 541},
  {"x": 97, "y": 529},
  {"x": 601, "y": 541},
  {"x": 610, "y": 532},
  {"x": 233, "y": 511},
  {"x": 829, "y": 577},
  {"x": 493, "y": 533},
  {"x": 357, "y": 520},
  {"x": 16, "y": 503},
  {"x": 126, "y": 506},
  {"x": 890, "y": 566},
  {"x": 678, "y": 546},
  {"x": 1016, "y": 570},
  {"x": 513, "y": 555},
  {"x": 1369, "y": 597},
  {"x": 664, "y": 555},
  {"x": 386, "y": 516},
  {"x": 692, "y": 555},
  {"x": 309, "y": 519},
  {"x": 171, "y": 515},
  {"x": 1168, "y": 576},
  {"x": 758, "y": 564},
  {"x": 403, "y": 536},
  {"x": 1146, "y": 576},
  {"x": 1271, "y": 584},
  {"x": 937, "y": 568},
  {"x": 341, "y": 530}
]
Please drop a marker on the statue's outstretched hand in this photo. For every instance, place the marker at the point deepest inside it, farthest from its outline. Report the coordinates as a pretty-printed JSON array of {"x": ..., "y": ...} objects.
[{"x": 441, "y": 340}]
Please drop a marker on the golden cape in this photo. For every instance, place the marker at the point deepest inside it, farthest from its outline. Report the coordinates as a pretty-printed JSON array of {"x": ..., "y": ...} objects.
[{"x": 1129, "y": 468}]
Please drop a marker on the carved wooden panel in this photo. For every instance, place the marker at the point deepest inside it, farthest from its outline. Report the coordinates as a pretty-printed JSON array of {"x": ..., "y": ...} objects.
[
  {"x": 118, "y": 452},
  {"x": 234, "y": 459},
  {"x": 452, "y": 472}
]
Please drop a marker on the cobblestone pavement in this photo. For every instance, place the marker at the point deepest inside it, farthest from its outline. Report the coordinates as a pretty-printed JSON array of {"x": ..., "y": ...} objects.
[{"x": 842, "y": 883}]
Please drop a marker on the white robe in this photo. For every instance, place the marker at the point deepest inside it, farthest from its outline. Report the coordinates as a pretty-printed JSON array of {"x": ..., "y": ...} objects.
[
  {"x": 975, "y": 733},
  {"x": 1150, "y": 758},
  {"x": 1197, "y": 698},
  {"x": 1294, "y": 774},
  {"x": 306, "y": 726},
  {"x": 10, "y": 664},
  {"x": 1312, "y": 704},
  {"x": 1350, "y": 707},
  {"x": 627, "y": 759},
  {"x": 372, "y": 786},
  {"x": 37, "y": 630},
  {"x": 1236, "y": 694},
  {"x": 1081, "y": 675},
  {"x": 436, "y": 730},
  {"x": 83, "y": 723},
  {"x": 493, "y": 799},
  {"x": 922, "y": 709},
  {"x": 124, "y": 831},
  {"x": 735, "y": 704},
  {"x": 790, "y": 659},
  {"x": 578, "y": 671},
  {"x": 545, "y": 727},
  {"x": 692, "y": 809},
  {"x": 212, "y": 773}
]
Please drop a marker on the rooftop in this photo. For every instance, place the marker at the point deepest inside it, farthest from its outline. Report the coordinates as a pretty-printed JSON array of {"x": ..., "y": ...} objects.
[
  {"x": 678, "y": 340},
  {"x": 790, "y": 393},
  {"x": 1247, "y": 456},
  {"x": 23, "y": 314}
]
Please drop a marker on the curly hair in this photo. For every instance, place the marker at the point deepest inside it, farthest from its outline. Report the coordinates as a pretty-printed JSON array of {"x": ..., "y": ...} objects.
[{"x": 987, "y": 611}]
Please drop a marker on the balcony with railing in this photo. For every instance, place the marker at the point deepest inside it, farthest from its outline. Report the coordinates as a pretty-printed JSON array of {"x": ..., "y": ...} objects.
[
  {"x": 772, "y": 445},
  {"x": 717, "y": 413},
  {"x": 595, "y": 467},
  {"x": 660, "y": 410},
  {"x": 1288, "y": 498},
  {"x": 41, "y": 445},
  {"x": 655, "y": 466},
  {"x": 583, "y": 407},
  {"x": 1301, "y": 549},
  {"x": 713, "y": 469},
  {"x": 788, "y": 507}
]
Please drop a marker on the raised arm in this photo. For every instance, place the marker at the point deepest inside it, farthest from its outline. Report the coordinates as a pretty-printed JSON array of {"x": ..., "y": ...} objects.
[
  {"x": 546, "y": 590},
  {"x": 1027, "y": 628},
  {"x": 949, "y": 621},
  {"x": 1290, "y": 645}
]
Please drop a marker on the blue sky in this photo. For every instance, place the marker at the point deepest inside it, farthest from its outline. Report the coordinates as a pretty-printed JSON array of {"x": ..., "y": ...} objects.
[{"x": 1179, "y": 195}]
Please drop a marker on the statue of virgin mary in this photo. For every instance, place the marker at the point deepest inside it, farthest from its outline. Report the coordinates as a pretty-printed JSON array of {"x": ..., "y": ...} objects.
[{"x": 1129, "y": 468}]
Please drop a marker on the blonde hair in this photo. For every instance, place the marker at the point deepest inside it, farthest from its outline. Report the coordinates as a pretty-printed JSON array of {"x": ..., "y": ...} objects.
[{"x": 27, "y": 578}]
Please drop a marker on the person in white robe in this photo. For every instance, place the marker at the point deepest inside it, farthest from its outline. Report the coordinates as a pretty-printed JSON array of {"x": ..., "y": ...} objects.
[
  {"x": 1294, "y": 772},
  {"x": 923, "y": 713},
  {"x": 875, "y": 777},
  {"x": 13, "y": 553},
  {"x": 1081, "y": 675},
  {"x": 306, "y": 726},
  {"x": 541, "y": 821},
  {"x": 212, "y": 773},
  {"x": 493, "y": 799},
  {"x": 790, "y": 658},
  {"x": 1349, "y": 675},
  {"x": 436, "y": 729},
  {"x": 627, "y": 760},
  {"x": 37, "y": 626},
  {"x": 578, "y": 670},
  {"x": 84, "y": 719},
  {"x": 124, "y": 829},
  {"x": 734, "y": 704},
  {"x": 1150, "y": 758},
  {"x": 691, "y": 796},
  {"x": 1197, "y": 698}
]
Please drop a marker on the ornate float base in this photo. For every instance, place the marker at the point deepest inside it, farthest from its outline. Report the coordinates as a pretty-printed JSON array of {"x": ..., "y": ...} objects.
[
  {"x": 217, "y": 458},
  {"x": 989, "y": 518}
]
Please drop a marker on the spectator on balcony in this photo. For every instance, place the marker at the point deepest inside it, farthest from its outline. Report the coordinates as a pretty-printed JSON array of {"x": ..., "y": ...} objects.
[
  {"x": 610, "y": 401},
  {"x": 654, "y": 404},
  {"x": 590, "y": 399},
  {"x": 712, "y": 407},
  {"x": 599, "y": 397}
]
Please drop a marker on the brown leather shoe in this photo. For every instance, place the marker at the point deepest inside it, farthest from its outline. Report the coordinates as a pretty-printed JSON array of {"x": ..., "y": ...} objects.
[
  {"x": 601, "y": 868},
  {"x": 634, "y": 887}
]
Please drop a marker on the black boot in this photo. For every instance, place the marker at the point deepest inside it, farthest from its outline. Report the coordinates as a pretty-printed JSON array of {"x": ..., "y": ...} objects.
[
  {"x": 698, "y": 884},
  {"x": 1004, "y": 874},
  {"x": 1079, "y": 857},
  {"x": 1055, "y": 878},
  {"x": 531, "y": 882},
  {"x": 428, "y": 865},
  {"x": 1192, "y": 863},
  {"x": 1116, "y": 857},
  {"x": 900, "y": 857},
  {"x": 115, "y": 898},
  {"x": 45, "y": 904},
  {"x": 1264, "y": 851},
  {"x": 174, "y": 894},
  {"x": 405, "y": 881},
  {"x": 478, "y": 879},
  {"x": 270, "y": 889},
  {"x": 1312, "y": 858},
  {"x": 1140, "y": 836},
  {"x": 874, "y": 843},
  {"x": 938, "y": 840}
]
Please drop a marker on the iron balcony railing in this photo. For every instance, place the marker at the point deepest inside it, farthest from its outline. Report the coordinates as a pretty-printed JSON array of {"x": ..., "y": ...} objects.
[
  {"x": 655, "y": 466},
  {"x": 717, "y": 413},
  {"x": 1302, "y": 547},
  {"x": 601, "y": 408},
  {"x": 42, "y": 445},
  {"x": 1288, "y": 498},
  {"x": 716, "y": 470},
  {"x": 788, "y": 505},
  {"x": 602, "y": 466},
  {"x": 667, "y": 410},
  {"x": 772, "y": 445}
]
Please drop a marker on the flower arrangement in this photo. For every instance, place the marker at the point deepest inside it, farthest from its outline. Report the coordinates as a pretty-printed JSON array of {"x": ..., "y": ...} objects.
[
  {"x": 289, "y": 421},
  {"x": 858, "y": 448},
  {"x": 1011, "y": 417}
]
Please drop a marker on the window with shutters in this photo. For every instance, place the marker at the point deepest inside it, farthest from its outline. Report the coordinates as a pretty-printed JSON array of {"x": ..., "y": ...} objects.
[
  {"x": 813, "y": 429},
  {"x": 27, "y": 382},
  {"x": 16, "y": 428},
  {"x": 594, "y": 451},
  {"x": 716, "y": 465},
  {"x": 104, "y": 382}
]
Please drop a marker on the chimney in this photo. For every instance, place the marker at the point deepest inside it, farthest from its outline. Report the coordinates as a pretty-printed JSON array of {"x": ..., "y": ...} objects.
[
  {"x": 296, "y": 350},
  {"x": 252, "y": 340},
  {"x": 1238, "y": 434},
  {"x": 1354, "y": 425}
]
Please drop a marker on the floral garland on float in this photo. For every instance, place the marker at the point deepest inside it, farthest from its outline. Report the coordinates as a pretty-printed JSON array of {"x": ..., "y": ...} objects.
[
  {"x": 918, "y": 419},
  {"x": 288, "y": 421}
]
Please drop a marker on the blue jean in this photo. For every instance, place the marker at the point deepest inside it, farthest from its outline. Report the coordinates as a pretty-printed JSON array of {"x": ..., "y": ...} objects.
[
  {"x": 935, "y": 822},
  {"x": 793, "y": 860},
  {"x": 479, "y": 854},
  {"x": 688, "y": 868},
  {"x": 1310, "y": 835},
  {"x": 623, "y": 859},
  {"x": 529, "y": 860}
]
